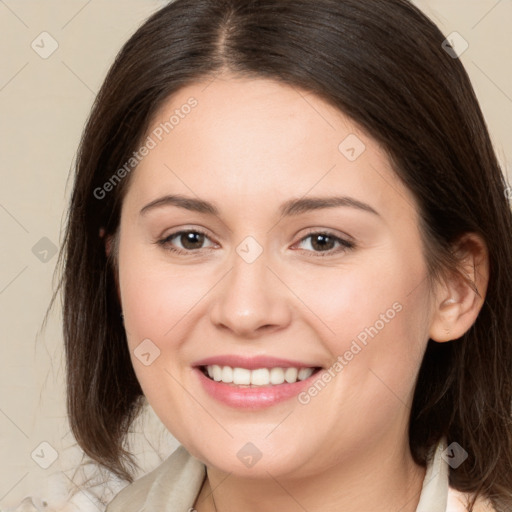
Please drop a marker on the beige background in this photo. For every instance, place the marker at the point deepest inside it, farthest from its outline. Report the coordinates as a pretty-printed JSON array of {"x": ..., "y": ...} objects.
[{"x": 44, "y": 104}]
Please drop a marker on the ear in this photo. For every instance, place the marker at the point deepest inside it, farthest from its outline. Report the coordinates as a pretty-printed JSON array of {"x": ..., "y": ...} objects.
[
  {"x": 108, "y": 245},
  {"x": 108, "y": 241},
  {"x": 457, "y": 304}
]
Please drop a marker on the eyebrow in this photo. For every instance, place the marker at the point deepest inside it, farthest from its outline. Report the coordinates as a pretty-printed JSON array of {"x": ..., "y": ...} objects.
[{"x": 287, "y": 209}]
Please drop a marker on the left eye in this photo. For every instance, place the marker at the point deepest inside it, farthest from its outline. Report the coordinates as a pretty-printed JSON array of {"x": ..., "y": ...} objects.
[{"x": 324, "y": 243}]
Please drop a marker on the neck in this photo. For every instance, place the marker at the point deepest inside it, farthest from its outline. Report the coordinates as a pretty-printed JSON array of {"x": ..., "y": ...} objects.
[{"x": 387, "y": 479}]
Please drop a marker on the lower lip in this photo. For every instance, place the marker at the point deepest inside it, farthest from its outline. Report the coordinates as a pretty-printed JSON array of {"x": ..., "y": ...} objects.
[{"x": 252, "y": 397}]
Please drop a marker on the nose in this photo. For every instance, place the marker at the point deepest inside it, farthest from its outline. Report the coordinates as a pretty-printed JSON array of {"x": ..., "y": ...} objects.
[{"x": 251, "y": 300}]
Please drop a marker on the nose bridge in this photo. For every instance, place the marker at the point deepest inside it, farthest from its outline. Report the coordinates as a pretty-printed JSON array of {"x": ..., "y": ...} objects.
[{"x": 250, "y": 298}]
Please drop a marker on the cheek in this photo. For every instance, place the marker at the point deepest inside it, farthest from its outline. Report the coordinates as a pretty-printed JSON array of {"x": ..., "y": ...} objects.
[
  {"x": 159, "y": 300},
  {"x": 157, "y": 296},
  {"x": 374, "y": 313}
]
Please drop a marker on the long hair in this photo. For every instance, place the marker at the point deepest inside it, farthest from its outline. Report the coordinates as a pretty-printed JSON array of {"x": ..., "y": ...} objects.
[{"x": 380, "y": 62}]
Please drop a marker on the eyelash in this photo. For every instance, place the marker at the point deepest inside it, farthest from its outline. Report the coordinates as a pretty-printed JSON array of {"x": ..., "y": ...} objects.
[{"x": 345, "y": 244}]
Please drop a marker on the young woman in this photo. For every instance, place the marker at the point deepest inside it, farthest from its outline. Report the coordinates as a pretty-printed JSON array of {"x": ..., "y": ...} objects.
[{"x": 289, "y": 234}]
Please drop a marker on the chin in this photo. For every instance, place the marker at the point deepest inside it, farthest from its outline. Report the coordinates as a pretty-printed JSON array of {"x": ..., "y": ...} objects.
[{"x": 257, "y": 459}]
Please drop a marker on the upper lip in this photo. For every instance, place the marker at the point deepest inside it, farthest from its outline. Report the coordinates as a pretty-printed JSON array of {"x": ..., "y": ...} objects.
[{"x": 252, "y": 363}]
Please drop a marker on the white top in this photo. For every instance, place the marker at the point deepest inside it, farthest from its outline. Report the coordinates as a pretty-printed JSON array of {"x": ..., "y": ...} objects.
[{"x": 175, "y": 484}]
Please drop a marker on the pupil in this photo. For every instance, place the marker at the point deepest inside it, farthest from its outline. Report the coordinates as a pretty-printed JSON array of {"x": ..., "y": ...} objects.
[
  {"x": 188, "y": 240},
  {"x": 323, "y": 239}
]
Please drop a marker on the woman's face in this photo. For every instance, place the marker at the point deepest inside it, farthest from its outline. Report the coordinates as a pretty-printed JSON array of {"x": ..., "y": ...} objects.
[{"x": 274, "y": 272}]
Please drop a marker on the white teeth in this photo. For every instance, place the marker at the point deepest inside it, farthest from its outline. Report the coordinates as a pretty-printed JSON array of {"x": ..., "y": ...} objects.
[
  {"x": 241, "y": 376},
  {"x": 305, "y": 373},
  {"x": 217, "y": 373},
  {"x": 258, "y": 377},
  {"x": 290, "y": 375},
  {"x": 276, "y": 376},
  {"x": 227, "y": 374}
]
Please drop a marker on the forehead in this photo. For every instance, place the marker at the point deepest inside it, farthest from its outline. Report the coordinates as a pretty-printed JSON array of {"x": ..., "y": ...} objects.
[{"x": 259, "y": 138}]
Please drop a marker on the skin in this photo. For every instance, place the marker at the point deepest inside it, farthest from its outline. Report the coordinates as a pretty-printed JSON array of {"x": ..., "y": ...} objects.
[{"x": 247, "y": 147}]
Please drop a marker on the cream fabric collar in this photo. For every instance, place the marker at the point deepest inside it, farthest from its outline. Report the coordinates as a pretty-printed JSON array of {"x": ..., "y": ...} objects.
[{"x": 174, "y": 485}]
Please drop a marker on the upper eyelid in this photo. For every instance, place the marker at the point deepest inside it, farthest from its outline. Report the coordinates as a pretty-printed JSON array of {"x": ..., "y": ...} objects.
[{"x": 329, "y": 232}]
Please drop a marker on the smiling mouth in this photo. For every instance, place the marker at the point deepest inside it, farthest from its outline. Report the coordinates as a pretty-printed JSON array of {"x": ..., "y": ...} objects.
[{"x": 243, "y": 377}]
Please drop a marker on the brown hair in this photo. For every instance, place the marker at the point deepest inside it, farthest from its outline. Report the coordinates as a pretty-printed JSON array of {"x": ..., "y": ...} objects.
[{"x": 381, "y": 62}]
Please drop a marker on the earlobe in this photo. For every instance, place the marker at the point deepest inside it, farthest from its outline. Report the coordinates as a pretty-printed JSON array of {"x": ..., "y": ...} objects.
[
  {"x": 458, "y": 301},
  {"x": 445, "y": 320}
]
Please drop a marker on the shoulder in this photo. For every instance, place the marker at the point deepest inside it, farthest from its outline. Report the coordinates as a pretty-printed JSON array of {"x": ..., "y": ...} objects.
[
  {"x": 458, "y": 501},
  {"x": 177, "y": 480}
]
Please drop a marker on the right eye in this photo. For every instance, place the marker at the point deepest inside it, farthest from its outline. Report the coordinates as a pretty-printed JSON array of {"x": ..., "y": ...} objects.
[{"x": 191, "y": 240}]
